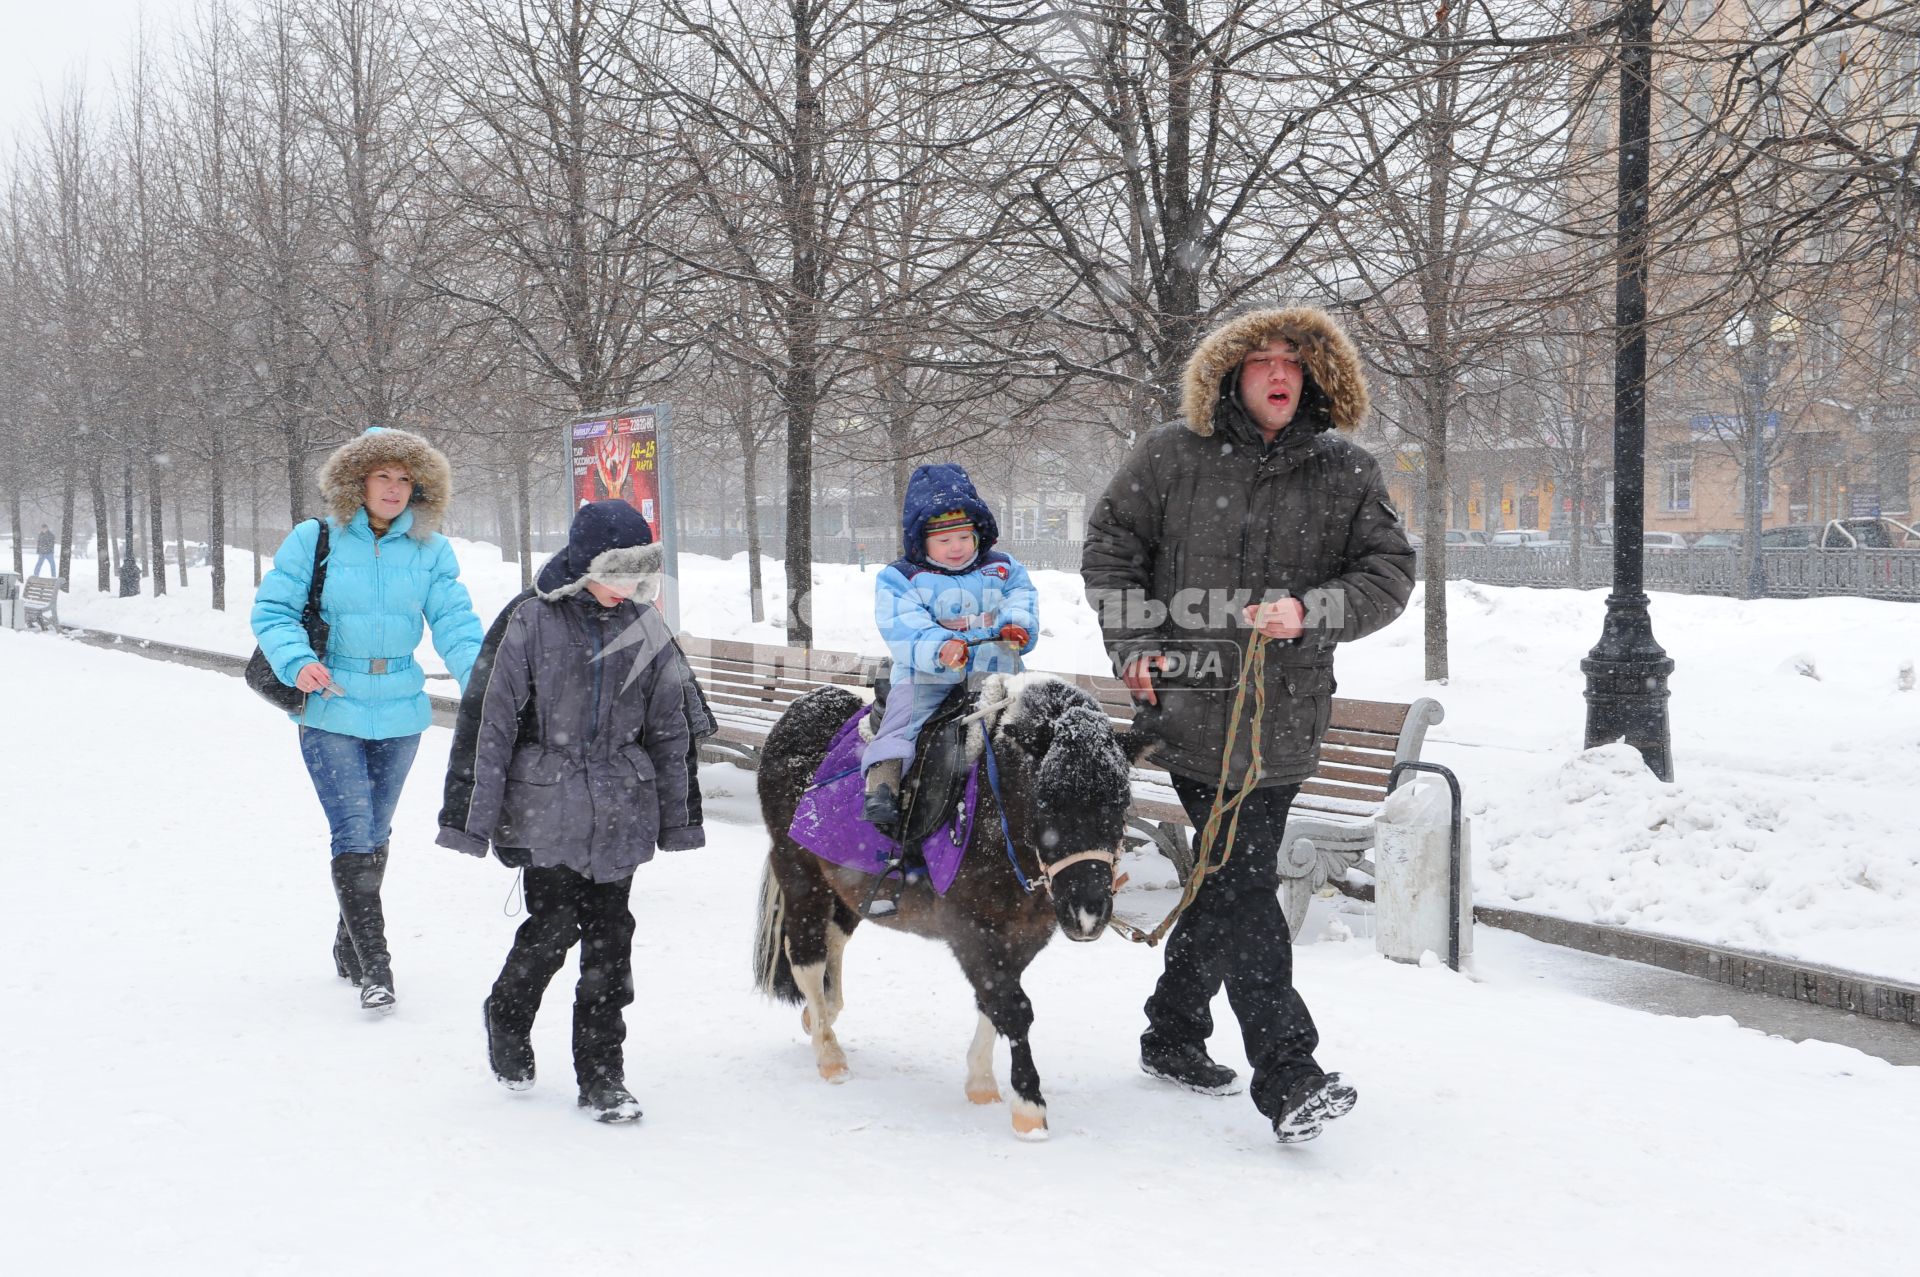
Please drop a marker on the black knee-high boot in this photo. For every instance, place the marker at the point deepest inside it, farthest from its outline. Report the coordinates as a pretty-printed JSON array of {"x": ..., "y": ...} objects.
[
  {"x": 346, "y": 963},
  {"x": 356, "y": 885}
]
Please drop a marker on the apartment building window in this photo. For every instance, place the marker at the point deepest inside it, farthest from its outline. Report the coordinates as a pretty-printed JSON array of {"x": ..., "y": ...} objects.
[
  {"x": 1822, "y": 342},
  {"x": 1678, "y": 481},
  {"x": 1900, "y": 340},
  {"x": 1831, "y": 90}
]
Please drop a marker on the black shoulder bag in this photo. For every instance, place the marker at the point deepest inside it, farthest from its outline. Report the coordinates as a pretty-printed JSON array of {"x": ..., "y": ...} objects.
[{"x": 260, "y": 676}]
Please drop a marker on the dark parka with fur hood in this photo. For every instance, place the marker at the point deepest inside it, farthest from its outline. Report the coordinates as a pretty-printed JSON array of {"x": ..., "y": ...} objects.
[
  {"x": 1205, "y": 517},
  {"x": 571, "y": 746}
]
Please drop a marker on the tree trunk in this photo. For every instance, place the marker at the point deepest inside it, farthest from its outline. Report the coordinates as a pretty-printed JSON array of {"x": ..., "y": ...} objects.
[
  {"x": 68, "y": 486},
  {"x": 179, "y": 534},
  {"x": 156, "y": 530},
  {"x": 522, "y": 486},
  {"x": 19, "y": 533},
  {"x": 217, "y": 526},
  {"x": 254, "y": 492},
  {"x": 102, "y": 528},
  {"x": 1434, "y": 460},
  {"x": 750, "y": 489}
]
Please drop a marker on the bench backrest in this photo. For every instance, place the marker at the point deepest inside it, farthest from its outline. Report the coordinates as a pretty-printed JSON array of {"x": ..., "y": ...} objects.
[
  {"x": 752, "y": 684},
  {"x": 41, "y": 590},
  {"x": 749, "y": 685},
  {"x": 1364, "y": 740}
]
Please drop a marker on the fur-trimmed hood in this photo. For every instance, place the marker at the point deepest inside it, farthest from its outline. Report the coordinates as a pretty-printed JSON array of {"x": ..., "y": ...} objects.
[
  {"x": 343, "y": 477},
  {"x": 608, "y": 541},
  {"x": 1335, "y": 393}
]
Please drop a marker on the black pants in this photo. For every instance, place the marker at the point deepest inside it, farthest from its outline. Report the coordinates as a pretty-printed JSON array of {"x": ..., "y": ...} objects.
[
  {"x": 1235, "y": 933},
  {"x": 562, "y": 907}
]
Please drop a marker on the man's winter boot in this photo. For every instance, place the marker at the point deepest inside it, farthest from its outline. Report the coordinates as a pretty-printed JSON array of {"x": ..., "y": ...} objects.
[
  {"x": 881, "y": 806},
  {"x": 357, "y": 877},
  {"x": 510, "y": 1053},
  {"x": 606, "y": 1099},
  {"x": 1309, "y": 1104},
  {"x": 1188, "y": 1065}
]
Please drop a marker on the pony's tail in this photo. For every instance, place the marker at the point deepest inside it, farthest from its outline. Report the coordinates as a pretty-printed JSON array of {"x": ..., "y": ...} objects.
[{"x": 772, "y": 973}]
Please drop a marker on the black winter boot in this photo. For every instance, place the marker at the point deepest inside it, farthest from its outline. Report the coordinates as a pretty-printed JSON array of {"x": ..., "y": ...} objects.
[
  {"x": 356, "y": 885},
  {"x": 1187, "y": 1065},
  {"x": 1309, "y": 1104},
  {"x": 509, "y": 1052},
  {"x": 346, "y": 963},
  {"x": 606, "y": 1097}
]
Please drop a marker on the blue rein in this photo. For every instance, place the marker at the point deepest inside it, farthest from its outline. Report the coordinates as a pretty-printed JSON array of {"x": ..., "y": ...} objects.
[{"x": 1000, "y": 809}]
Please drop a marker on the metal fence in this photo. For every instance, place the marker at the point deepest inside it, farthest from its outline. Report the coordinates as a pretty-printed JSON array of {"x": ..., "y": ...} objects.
[{"x": 1790, "y": 574}]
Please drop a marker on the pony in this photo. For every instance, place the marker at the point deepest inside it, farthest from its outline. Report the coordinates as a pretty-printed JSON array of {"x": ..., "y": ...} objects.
[{"x": 1060, "y": 814}]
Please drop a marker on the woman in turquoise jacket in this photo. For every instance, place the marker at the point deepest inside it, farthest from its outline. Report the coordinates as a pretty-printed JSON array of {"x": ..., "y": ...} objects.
[{"x": 388, "y": 570}]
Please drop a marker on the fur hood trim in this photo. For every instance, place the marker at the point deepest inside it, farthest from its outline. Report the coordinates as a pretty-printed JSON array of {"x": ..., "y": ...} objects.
[
  {"x": 343, "y": 477},
  {"x": 644, "y": 564},
  {"x": 1331, "y": 362}
]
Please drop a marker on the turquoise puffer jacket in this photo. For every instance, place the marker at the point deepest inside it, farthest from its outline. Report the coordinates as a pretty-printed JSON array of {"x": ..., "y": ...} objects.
[{"x": 376, "y": 595}]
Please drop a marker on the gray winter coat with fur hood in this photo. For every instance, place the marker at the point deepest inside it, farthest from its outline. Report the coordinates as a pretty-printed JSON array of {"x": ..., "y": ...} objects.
[
  {"x": 1205, "y": 517},
  {"x": 571, "y": 745}
]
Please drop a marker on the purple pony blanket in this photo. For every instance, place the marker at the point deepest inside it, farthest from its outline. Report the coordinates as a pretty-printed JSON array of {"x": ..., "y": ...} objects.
[{"x": 827, "y": 821}]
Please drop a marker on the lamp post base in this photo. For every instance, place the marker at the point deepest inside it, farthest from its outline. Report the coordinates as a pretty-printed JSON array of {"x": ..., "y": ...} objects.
[{"x": 1627, "y": 685}]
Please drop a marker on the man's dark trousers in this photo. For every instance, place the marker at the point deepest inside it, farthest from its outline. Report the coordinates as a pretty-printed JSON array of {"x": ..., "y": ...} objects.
[
  {"x": 1235, "y": 932},
  {"x": 562, "y": 907}
]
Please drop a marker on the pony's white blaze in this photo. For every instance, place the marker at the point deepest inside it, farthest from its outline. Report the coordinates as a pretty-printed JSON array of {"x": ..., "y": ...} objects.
[
  {"x": 1029, "y": 1120},
  {"x": 982, "y": 1087},
  {"x": 1088, "y": 920},
  {"x": 827, "y": 1055}
]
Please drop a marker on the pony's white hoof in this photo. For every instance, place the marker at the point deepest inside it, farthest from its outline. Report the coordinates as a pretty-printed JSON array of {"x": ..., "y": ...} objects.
[
  {"x": 835, "y": 1073},
  {"x": 1029, "y": 1121},
  {"x": 983, "y": 1095}
]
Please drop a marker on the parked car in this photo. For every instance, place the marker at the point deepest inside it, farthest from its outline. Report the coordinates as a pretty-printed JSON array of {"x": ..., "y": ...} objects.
[
  {"x": 1663, "y": 542},
  {"x": 1466, "y": 536},
  {"x": 1842, "y": 534},
  {"x": 1718, "y": 541},
  {"x": 1521, "y": 538}
]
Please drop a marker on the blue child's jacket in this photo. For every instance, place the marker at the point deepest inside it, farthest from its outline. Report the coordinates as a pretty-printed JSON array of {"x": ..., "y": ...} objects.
[{"x": 918, "y": 605}]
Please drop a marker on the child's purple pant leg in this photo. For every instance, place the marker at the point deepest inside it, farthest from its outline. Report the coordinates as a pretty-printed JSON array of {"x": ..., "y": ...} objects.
[{"x": 909, "y": 705}]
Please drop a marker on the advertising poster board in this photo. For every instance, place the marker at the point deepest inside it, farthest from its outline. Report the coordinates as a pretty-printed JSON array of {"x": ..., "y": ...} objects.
[{"x": 623, "y": 455}]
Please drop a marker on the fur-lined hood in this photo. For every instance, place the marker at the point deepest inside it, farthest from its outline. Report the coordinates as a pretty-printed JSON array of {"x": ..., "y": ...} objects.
[
  {"x": 343, "y": 478},
  {"x": 1336, "y": 383}
]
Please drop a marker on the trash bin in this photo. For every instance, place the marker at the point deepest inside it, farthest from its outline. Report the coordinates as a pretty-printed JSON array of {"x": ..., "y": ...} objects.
[
  {"x": 1412, "y": 860},
  {"x": 13, "y": 608}
]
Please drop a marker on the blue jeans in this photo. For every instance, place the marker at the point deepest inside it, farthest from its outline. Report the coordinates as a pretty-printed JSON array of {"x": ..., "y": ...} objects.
[
  {"x": 46, "y": 561},
  {"x": 358, "y": 782}
]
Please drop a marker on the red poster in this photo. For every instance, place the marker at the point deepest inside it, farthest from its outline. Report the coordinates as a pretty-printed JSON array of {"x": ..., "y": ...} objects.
[{"x": 618, "y": 457}]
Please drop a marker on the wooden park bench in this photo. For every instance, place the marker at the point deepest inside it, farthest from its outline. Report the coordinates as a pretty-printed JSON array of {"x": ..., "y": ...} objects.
[
  {"x": 1329, "y": 830},
  {"x": 40, "y": 596},
  {"x": 1330, "y": 825}
]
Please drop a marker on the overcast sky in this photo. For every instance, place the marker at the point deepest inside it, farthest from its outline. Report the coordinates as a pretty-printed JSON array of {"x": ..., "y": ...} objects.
[{"x": 42, "y": 42}]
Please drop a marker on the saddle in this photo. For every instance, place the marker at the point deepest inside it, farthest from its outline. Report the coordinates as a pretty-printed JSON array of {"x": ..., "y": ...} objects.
[{"x": 937, "y": 782}]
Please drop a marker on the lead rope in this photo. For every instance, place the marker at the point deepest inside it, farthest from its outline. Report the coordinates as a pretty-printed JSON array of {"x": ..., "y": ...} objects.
[
  {"x": 517, "y": 887},
  {"x": 1254, "y": 669}
]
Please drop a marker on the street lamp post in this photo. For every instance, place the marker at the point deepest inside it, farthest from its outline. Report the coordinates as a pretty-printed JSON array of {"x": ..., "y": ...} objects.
[{"x": 1627, "y": 669}]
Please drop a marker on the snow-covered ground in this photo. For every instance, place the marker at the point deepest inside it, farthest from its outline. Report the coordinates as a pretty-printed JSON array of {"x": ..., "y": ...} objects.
[
  {"x": 190, "y": 1090},
  {"x": 1791, "y": 827}
]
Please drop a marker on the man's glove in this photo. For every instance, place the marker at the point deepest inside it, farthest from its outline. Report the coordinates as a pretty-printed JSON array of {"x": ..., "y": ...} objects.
[
  {"x": 1015, "y": 634},
  {"x": 953, "y": 653}
]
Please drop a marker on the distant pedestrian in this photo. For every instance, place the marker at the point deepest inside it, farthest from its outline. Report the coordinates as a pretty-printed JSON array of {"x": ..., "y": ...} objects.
[
  {"x": 388, "y": 573},
  {"x": 45, "y": 545},
  {"x": 570, "y": 760}
]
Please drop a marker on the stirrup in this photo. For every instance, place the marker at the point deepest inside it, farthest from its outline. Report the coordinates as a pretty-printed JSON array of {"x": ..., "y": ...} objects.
[{"x": 902, "y": 875}]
